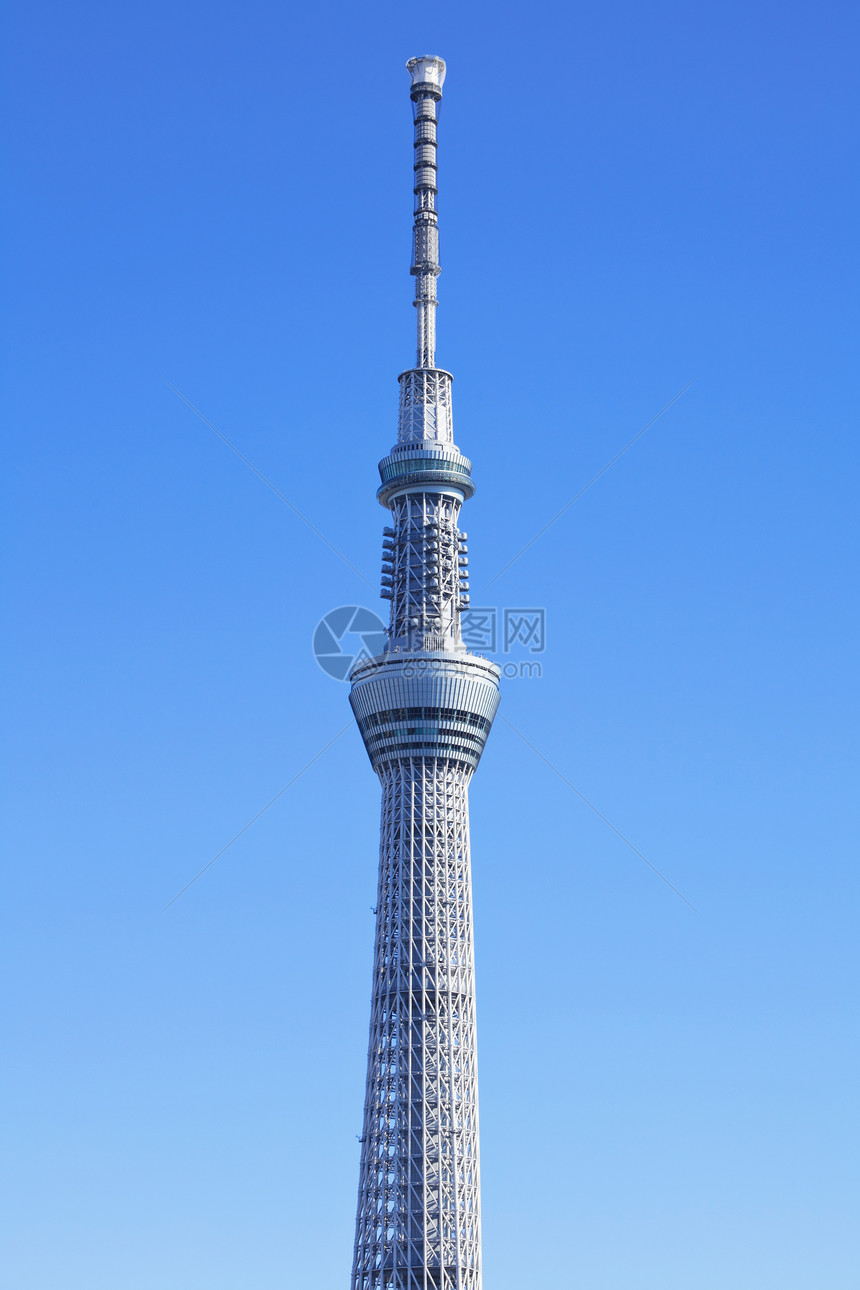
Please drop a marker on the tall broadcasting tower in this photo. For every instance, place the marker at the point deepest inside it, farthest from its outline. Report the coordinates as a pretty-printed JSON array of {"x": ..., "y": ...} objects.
[{"x": 424, "y": 708}]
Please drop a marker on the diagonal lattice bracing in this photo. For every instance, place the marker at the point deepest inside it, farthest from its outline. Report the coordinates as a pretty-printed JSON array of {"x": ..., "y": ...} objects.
[{"x": 419, "y": 1197}]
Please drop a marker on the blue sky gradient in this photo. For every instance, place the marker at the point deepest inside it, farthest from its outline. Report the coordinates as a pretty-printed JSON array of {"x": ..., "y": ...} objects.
[{"x": 631, "y": 197}]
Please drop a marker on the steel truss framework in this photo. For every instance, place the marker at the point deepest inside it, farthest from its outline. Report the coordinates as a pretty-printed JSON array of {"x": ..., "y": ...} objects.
[
  {"x": 424, "y": 708},
  {"x": 419, "y": 1206},
  {"x": 425, "y": 567}
]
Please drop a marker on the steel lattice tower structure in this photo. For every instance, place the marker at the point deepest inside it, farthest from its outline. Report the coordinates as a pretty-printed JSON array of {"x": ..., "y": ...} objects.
[{"x": 424, "y": 708}]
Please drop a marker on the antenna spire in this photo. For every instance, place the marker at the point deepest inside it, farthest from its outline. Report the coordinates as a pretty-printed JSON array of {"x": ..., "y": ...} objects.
[
  {"x": 425, "y": 390},
  {"x": 428, "y": 76}
]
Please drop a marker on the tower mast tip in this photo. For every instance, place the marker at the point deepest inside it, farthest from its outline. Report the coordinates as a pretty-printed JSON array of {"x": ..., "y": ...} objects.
[{"x": 427, "y": 70}]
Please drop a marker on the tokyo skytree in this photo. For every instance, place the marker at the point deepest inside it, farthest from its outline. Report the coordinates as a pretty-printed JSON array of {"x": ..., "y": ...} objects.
[{"x": 424, "y": 708}]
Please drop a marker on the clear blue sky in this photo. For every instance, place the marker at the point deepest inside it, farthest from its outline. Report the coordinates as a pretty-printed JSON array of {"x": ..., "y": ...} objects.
[{"x": 632, "y": 196}]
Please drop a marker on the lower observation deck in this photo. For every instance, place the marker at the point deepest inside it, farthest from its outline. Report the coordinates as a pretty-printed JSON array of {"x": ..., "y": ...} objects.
[{"x": 427, "y": 704}]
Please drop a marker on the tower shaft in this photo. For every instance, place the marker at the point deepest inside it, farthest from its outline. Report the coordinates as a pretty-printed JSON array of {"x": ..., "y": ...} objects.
[
  {"x": 419, "y": 1221},
  {"x": 424, "y": 708}
]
